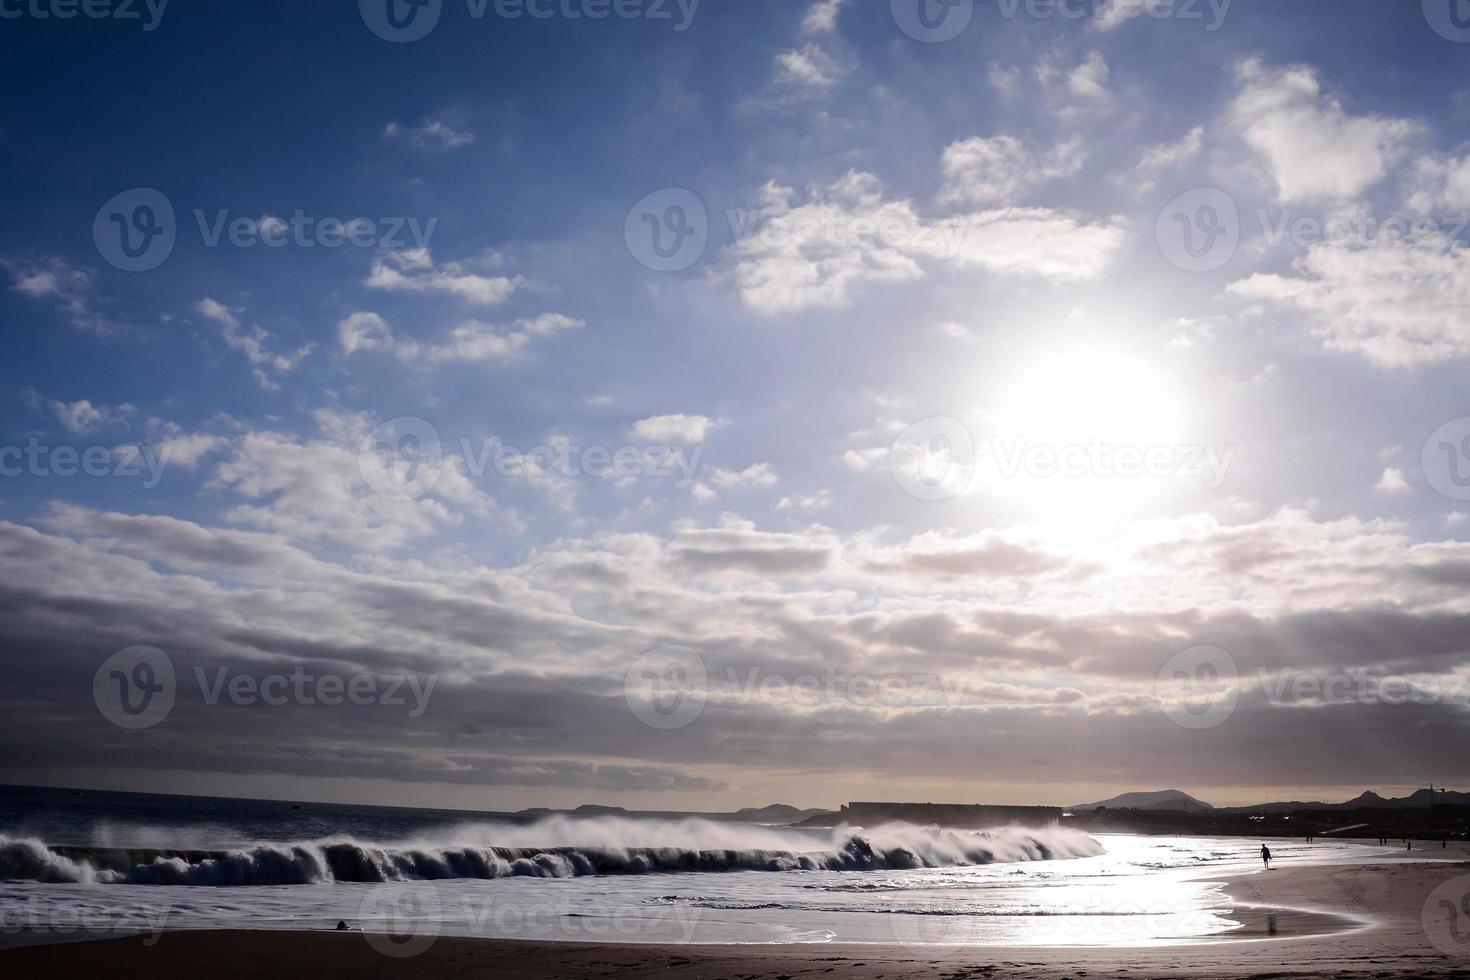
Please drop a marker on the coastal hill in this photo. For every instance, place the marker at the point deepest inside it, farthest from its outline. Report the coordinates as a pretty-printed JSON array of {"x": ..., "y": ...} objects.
[
  {"x": 776, "y": 813},
  {"x": 1165, "y": 799}
]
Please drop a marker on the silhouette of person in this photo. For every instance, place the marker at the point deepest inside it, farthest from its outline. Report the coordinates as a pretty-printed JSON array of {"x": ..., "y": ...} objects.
[{"x": 1266, "y": 856}]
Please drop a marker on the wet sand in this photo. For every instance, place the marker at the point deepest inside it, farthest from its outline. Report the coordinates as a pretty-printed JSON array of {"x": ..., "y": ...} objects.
[{"x": 1373, "y": 914}]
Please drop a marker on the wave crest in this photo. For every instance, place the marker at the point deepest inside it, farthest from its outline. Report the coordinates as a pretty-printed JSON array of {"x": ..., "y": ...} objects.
[{"x": 888, "y": 847}]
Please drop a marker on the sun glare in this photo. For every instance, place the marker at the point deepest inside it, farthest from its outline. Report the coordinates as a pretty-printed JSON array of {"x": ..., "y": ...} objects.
[{"x": 1087, "y": 435}]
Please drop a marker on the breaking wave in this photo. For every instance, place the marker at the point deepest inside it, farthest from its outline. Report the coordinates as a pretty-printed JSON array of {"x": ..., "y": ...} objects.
[{"x": 567, "y": 849}]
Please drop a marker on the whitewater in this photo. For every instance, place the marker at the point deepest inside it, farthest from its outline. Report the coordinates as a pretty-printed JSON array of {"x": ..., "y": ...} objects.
[{"x": 553, "y": 848}]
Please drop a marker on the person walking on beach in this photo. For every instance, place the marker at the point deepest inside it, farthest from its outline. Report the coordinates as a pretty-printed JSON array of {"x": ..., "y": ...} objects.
[{"x": 1266, "y": 856}]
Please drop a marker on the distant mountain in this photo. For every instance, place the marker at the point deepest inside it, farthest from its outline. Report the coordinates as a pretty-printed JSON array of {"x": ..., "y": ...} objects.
[
  {"x": 1164, "y": 799},
  {"x": 1368, "y": 800},
  {"x": 776, "y": 813}
]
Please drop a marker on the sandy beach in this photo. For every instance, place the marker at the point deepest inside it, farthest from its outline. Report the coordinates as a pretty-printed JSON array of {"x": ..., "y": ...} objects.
[{"x": 1376, "y": 913}]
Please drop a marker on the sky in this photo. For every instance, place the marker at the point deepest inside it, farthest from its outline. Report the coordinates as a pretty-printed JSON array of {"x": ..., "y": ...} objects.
[{"x": 701, "y": 405}]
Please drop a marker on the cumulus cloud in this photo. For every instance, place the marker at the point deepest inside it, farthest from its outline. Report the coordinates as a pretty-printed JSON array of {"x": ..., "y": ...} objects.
[
  {"x": 338, "y": 486},
  {"x": 821, "y": 16},
  {"x": 1393, "y": 481},
  {"x": 808, "y": 68},
  {"x": 1001, "y": 169},
  {"x": 792, "y": 256},
  {"x": 688, "y": 429},
  {"x": 1310, "y": 145},
  {"x": 83, "y": 418},
  {"x": 1395, "y": 303},
  {"x": 413, "y": 270},
  {"x": 756, "y": 475}
]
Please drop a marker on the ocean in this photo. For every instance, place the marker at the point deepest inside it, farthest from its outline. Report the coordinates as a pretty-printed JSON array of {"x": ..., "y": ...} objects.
[{"x": 88, "y": 865}]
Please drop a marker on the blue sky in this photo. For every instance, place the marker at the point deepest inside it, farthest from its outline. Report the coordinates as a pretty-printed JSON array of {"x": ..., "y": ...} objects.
[{"x": 925, "y": 263}]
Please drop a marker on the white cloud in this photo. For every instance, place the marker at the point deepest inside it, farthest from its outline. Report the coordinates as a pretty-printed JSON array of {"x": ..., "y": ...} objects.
[
  {"x": 1033, "y": 241},
  {"x": 1311, "y": 146},
  {"x": 1075, "y": 91},
  {"x": 758, "y": 475},
  {"x": 1441, "y": 183},
  {"x": 1089, "y": 80},
  {"x": 999, "y": 169},
  {"x": 815, "y": 501},
  {"x": 254, "y": 342},
  {"x": 688, "y": 429},
  {"x": 469, "y": 341},
  {"x": 1396, "y": 303},
  {"x": 432, "y": 134},
  {"x": 364, "y": 331},
  {"x": 1112, "y": 14},
  {"x": 315, "y": 489},
  {"x": 790, "y": 257},
  {"x": 71, "y": 288},
  {"x": 1005, "y": 79},
  {"x": 808, "y": 68},
  {"x": 414, "y": 270},
  {"x": 821, "y": 16},
  {"x": 83, "y": 418},
  {"x": 1393, "y": 481},
  {"x": 188, "y": 451},
  {"x": 1163, "y": 155}
]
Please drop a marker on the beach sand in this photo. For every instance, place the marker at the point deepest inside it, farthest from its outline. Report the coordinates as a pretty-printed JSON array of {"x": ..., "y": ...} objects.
[{"x": 1386, "y": 899}]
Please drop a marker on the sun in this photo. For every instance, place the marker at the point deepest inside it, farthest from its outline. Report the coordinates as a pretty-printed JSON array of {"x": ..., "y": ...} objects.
[
  {"x": 1081, "y": 396},
  {"x": 1087, "y": 434}
]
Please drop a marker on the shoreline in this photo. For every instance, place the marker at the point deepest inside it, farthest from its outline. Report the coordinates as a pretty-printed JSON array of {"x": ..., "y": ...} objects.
[{"x": 1346, "y": 920}]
